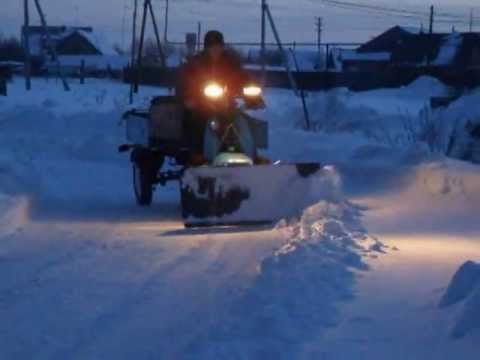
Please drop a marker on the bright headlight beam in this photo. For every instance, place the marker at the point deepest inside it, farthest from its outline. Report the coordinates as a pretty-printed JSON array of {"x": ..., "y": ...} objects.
[
  {"x": 252, "y": 91},
  {"x": 213, "y": 91}
]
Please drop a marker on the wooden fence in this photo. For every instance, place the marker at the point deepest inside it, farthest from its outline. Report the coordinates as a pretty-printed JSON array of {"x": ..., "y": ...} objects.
[{"x": 355, "y": 81}]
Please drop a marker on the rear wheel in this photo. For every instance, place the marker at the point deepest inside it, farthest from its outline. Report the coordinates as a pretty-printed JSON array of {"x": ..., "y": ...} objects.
[{"x": 143, "y": 185}]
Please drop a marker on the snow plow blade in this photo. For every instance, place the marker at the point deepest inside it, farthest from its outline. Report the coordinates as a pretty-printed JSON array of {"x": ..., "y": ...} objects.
[{"x": 250, "y": 195}]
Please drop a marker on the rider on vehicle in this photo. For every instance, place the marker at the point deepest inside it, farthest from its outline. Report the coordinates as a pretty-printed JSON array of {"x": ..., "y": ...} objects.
[{"x": 214, "y": 62}]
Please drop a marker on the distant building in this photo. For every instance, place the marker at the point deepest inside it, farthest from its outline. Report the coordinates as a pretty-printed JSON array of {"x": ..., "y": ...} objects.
[
  {"x": 66, "y": 41},
  {"x": 75, "y": 46},
  {"x": 407, "y": 47}
]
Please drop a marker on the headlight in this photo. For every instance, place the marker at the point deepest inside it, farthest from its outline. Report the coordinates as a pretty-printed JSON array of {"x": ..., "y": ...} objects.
[
  {"x": 252, "y": 91},
  {"x": 214, "y": 125},
  {"x": 213, "y": 91}
]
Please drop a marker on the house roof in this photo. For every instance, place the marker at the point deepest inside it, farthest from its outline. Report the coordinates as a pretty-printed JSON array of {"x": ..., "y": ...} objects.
[
  {"x": 57, "y": 30},
  {"x": 59, "y": 35},
  {"x": 418, "y": 49},
  {"x": 413, "y": 47},
  {"x": 448, "y": 49},
  {"x": 438, "y": 49},
  {"x": 388, "y": 41},
  {"x": 88, "y": 37}
]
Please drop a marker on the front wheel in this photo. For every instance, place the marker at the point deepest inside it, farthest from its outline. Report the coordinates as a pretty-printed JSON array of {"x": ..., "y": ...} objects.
[{"x": 143, "y": 185}]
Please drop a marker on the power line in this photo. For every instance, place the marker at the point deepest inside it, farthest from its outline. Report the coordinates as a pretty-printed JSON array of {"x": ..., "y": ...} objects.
[
  {"x": 390, "y": 10},
  {"x": 377, "y": 8}
]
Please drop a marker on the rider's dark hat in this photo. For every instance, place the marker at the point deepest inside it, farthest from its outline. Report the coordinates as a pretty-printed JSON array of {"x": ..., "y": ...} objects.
[{"x": 213, "y": 38}]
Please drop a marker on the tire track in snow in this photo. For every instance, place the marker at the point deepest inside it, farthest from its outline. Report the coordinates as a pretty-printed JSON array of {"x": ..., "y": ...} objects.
[{"x": 108, "y": 321}]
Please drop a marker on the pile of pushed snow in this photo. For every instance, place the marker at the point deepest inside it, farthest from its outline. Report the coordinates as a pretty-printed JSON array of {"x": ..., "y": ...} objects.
[
  {"x": 465, "y": 288},
  {"x": 13, "y": 213},
  {"x": 458, "y": 127},
  {"x": 14, "y": 206},
  {"x": 427, "y": 86},
  {"x": 298, "y": 288}
]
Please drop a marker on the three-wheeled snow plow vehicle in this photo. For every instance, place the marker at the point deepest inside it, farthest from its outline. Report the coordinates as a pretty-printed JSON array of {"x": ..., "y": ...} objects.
[{"x": 234, "y": 185}]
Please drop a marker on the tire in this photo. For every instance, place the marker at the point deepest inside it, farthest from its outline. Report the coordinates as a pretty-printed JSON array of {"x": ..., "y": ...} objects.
[{"x": 142, "y": 185}]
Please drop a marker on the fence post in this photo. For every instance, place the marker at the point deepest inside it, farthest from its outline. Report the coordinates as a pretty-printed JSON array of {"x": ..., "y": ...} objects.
[
  {"x": 3, "y": 87},
  {"x": 82, "y": 72}
]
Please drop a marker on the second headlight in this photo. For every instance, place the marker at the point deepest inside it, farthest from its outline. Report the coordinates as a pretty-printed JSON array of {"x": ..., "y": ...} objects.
[{"x": 252, "y": 91}]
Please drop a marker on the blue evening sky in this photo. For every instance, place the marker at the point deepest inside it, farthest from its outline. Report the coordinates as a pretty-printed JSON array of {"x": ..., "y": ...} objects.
[{"x": 240, "y": 19}]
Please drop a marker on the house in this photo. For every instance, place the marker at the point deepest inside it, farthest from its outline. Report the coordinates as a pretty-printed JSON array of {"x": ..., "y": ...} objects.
[
  {"x": 468, "y": 52},
  {"x": 389, "y": 40},
  {"x": 67, "y": 41},
  {"x": 418, "y": 50},
  {"x": 353, "y": 60},
  {"x": 376, "y": 54},
  {"x": 408, "y": 47}
]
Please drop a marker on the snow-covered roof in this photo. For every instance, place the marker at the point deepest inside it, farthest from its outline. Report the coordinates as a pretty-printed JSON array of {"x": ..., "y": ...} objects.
[
  {"x": 449, "y": 49},
  {"x": 412, "y": 29},
  {"x": 37, "y": 38},
  {"x": 91, "y": 37}
]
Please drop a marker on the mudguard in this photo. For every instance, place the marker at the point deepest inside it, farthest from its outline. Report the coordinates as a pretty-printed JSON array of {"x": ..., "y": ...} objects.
[{"x": 213, "y": 196}]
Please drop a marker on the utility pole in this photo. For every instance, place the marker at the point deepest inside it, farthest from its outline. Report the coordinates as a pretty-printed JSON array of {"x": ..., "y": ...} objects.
[
  {"x": 50, "y": 44},
  {"x": 133, "y": 71},
  {"x": 470, "y": 29},
  {"x": 199, "y": 36},
  {"x": 165, "y": 33},
  {"x": 263, "y": 40},
  {"x": 124, "y": 22},
  {"x": 319, "y": 40},
  {"x": 140, "y": 45},
  {"x": 432, "y": 15},
  {"x": 147, "y": 8},
  {"x": 319, "y": 32},
  {"x": 157, "y": 35},
  {"x": 26, "y": 46}
]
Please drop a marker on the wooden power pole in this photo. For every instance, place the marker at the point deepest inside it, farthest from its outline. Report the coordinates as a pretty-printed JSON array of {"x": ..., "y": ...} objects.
[
  {"x": 50, "y": 44},
  {"x": 199, "y": 36},
  {"x": 263, "y": 51},
  {"x": 26, "y": 46},
  {"x": 165, "y": 32},
  {"x": 432, "y": 15},
  {"x": 471, "y": 21},
  {"x": 133, "y": 71},
  {"x": 319, "y": 32}
]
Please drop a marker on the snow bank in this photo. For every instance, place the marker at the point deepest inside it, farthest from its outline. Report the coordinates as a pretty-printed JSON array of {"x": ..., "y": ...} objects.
[
  {"x": 438, "y": 195},
  {"x": 95, "y": 96},
  {"x": 297, "y": 289},
  {"x": 14, "y": 207},
  {"x": 343, "y": 110},
  {"x": 465, "y": 288},
  {"x": 455, "y": 124},
  {"x": 52, "y": 141}
]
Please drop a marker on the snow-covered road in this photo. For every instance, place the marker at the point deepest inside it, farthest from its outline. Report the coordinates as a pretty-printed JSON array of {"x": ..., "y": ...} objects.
[
  {"x": 91, "y": 290},
  {"x": 85, "y": 274},
  {"x": 395, "y": 314}
]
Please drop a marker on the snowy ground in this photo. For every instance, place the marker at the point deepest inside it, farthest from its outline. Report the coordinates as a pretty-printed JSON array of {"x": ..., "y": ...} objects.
[{"x": 85, "y": 274}]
